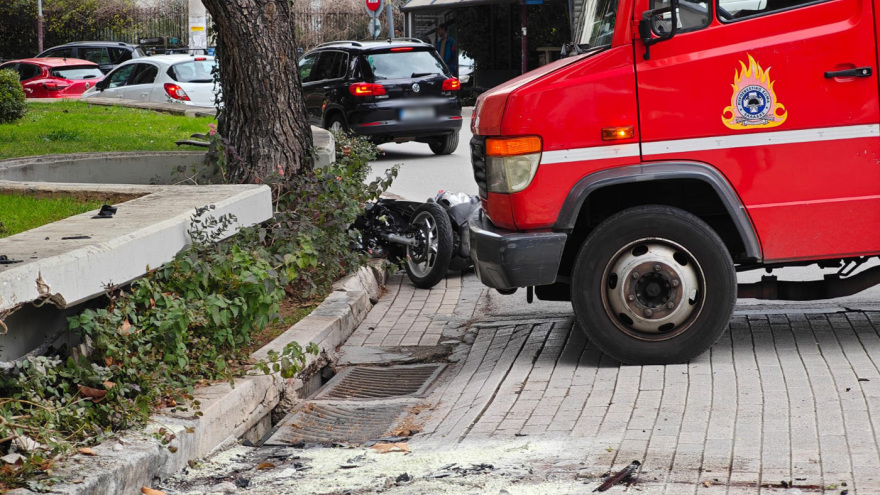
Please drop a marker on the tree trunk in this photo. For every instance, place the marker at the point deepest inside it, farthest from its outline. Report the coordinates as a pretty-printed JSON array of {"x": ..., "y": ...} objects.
[{"x": 266, "y": 122}]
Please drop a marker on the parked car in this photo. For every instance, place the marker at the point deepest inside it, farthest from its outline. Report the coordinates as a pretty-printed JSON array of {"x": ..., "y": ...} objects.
[
  {"x": 393, "y": 90},
  {"x": 466, "y": 67},
  {"x": 55, "y": 77},
  {"x": 160, "y": 79},
  {"x": 107, "y": 54}
]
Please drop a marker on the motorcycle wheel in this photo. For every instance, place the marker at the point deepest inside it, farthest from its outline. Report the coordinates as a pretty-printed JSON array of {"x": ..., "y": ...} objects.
[{"x": 428, "y": 260}]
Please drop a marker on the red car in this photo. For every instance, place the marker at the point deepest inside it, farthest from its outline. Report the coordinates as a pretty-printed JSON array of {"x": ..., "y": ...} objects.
[{"x": 55, "y": 77}]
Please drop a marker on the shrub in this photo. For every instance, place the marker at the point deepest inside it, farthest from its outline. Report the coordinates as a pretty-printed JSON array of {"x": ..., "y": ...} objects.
[
  {"x": 12, "y": 103},
  {"x": 189, "y": 321}
]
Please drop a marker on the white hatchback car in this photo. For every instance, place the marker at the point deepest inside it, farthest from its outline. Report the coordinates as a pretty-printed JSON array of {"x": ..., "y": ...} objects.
[{"x": 183, "y": 79}]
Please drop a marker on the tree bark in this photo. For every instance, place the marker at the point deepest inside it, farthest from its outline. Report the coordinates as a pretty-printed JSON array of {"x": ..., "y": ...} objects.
[{"x": 266, "y": 122}]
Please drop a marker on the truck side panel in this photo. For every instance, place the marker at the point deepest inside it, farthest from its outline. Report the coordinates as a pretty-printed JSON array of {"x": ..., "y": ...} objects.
[
  {"x": 571, "y": 107},
  {"x": 751, "y": 98}
]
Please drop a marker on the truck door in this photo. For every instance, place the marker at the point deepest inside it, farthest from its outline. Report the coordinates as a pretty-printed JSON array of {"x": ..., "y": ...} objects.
[{"x": 781, "y": 96}]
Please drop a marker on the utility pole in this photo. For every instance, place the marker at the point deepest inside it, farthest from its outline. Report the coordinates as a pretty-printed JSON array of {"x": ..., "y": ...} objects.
[
  {"x": 390, "y": 14},
  {"x": 39, "y": 26},
  {"x": 525, "y": 42}
]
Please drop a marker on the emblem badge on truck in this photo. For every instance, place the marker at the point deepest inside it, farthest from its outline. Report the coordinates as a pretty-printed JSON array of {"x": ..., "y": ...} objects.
[{"x": 754, "y": 103}]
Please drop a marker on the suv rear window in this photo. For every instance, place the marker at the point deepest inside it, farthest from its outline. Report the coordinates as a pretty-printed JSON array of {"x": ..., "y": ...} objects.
[
  {"x": 194, "y": 71},
  {"x": 404, "y": 65},
  {"x": 77, "y": 72}
]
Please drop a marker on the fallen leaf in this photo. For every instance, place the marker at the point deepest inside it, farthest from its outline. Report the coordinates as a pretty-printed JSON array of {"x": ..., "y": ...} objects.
[
  {"x": 125, "y": 329},
  {"x": 87, "y": 451},
  {"x": 108, "y": 385},
  {"x": 108, "y": 361},
  {"x": 384, "y": 448},
  {"x": 150, "y": 491},
  {"x": 266, "y": 465},
  {"x": 92, "y": 393}
]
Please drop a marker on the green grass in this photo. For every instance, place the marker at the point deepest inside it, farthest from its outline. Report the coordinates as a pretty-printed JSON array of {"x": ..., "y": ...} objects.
[
  {"x": 75, "y": 127},
  {"x": 21, "y": 213}
]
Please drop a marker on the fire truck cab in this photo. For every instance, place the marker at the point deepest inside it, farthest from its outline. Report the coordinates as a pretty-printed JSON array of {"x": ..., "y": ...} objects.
[{"x": 683, "y": 142}]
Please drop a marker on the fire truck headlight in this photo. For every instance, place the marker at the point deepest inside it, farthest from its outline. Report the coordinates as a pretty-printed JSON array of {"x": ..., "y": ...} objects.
[{"x": 510, "y": 174}]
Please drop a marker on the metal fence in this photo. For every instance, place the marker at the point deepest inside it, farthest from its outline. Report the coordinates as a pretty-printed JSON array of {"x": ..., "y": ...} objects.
[
  {"x": 71, "y": 20},
  {"x": 316, "y": 26}
]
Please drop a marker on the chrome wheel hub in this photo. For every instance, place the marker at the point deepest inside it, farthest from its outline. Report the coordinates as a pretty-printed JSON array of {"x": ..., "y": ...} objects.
[{"x": 653, "y": 288}]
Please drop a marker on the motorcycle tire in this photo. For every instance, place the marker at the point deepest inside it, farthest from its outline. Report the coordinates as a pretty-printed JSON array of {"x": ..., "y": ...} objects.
[{"x": 428, "y": 260}]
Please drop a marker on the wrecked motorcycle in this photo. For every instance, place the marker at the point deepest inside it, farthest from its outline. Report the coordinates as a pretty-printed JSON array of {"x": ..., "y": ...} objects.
[{"x": 431, "y": 237}]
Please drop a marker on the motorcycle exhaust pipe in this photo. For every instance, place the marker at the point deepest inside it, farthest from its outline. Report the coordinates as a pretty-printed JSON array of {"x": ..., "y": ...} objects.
[{"x": 400, "y": 239}]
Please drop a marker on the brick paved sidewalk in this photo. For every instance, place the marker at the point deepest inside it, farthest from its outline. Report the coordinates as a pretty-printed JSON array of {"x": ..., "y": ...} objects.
[
  {"x": 407, "y": 316},
  {"x": 781, "y": 399}
]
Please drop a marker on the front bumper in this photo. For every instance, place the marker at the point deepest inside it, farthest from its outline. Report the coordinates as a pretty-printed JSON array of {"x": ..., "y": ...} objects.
[
  {"x": 391, "y": 129},
  {"x": 504, "y": 259}
]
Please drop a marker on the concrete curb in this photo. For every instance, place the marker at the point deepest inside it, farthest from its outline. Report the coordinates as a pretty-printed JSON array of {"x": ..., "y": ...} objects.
[{"x": 137, "y": 459}]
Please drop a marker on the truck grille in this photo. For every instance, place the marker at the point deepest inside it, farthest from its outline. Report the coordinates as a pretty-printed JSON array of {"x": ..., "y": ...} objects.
[{"x": 478, "y": 160}]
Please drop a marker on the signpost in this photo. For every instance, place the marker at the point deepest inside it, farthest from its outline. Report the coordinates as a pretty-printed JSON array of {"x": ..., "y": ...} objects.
[
  {"x": 375, "y": 27},
  {"x": 374, "y": 8}
]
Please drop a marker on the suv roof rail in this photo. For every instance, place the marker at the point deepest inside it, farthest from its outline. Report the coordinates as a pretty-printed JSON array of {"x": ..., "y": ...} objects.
[
  {"x": 414, "y": 40},
  {"x": 353, "y": 43}
]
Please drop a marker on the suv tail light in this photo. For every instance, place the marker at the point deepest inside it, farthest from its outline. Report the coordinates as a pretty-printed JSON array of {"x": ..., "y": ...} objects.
[
  {"x": 451, "y": 84},
  {"x": 55, "y": 86},
  {"x": 367, "y": 89},
  {"x": 176, "y": 92}
]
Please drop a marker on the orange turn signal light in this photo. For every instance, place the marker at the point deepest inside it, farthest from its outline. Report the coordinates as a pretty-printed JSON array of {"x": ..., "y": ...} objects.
[
  {"x": 513, "y": 146},
  {"x": 615, "y": 133}
]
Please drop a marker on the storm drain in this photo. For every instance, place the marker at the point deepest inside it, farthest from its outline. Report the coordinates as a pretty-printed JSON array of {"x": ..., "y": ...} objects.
[
  {"x": 381, "y": 383},
  {"x": 327, "y": 424},
  {"x": 340, "y": 411}
]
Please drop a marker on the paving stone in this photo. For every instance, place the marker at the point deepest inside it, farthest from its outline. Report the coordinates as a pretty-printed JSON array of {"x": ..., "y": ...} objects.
[{"x": 793, "y": 395}]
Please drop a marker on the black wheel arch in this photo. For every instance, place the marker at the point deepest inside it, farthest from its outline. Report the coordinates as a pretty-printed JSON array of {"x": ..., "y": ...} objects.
[
  {"x": 333, "y": 111},
  {"x": 692, "y": 186}
]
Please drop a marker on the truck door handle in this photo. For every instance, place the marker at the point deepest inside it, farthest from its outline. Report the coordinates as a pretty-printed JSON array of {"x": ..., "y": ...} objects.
[{"x": 857, "y": 72}]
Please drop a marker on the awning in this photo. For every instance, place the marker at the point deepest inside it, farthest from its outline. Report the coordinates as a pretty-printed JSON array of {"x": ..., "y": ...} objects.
[{"x": 449, "y": 4}]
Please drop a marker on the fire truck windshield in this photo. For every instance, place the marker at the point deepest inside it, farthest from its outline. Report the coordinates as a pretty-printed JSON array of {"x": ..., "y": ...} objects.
[{"x": 595, "y": 25}]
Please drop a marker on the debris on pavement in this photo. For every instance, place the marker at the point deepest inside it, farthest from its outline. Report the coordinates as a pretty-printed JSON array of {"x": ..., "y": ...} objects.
[
  {"x": 384, "y": 448},
  {"x": 620, "y": 476}
]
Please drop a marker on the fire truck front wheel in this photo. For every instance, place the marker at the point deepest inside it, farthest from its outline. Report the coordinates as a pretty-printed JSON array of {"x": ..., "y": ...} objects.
[{"x": 653, "y": 285}]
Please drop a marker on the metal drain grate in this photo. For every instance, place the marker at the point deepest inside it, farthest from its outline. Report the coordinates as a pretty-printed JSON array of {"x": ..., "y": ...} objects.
[
  {"x": 381, "y": 383},
  {"x": 319, "y": 423}
]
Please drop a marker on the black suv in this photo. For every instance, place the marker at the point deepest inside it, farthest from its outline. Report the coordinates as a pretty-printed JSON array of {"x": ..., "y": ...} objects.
[
  {"x": 107, "y": 54},
  {"x": 395, "y": 90}
]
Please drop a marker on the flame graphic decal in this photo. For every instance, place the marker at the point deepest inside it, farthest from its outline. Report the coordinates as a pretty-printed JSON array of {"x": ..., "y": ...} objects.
[{"x": 754, "y": 102}]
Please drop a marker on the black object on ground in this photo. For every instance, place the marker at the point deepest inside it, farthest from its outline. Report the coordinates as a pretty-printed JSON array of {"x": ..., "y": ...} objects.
[
  {"x": 106, "y": 211},
  {"x": 619, "y": 476}
]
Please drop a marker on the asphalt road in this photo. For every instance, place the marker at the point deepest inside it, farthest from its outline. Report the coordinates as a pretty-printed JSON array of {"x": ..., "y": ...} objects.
[{"x": 422, "y": 173}]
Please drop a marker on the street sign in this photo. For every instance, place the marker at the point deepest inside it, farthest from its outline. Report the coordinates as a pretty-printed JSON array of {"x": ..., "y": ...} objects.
[
  {"x": 374, "y": 7},
  {"x": 375, "y": 27}
]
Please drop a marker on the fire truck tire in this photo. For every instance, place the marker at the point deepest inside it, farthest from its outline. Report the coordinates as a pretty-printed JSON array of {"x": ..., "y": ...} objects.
[
  {"x": 428, "y": 261},
  {"x": 445, "y": 145},
  {"x": 653, "y": 285}
]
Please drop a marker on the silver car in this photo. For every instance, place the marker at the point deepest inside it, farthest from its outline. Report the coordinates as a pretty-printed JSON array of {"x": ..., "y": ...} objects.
[{"x": 185, "y": 79}]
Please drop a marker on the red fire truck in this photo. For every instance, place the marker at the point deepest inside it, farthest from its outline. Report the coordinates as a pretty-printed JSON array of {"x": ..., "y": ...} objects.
[{"x": 684, "y": 142}]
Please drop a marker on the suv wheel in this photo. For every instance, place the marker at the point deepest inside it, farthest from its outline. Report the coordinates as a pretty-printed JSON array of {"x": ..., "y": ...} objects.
[
  {"x": 653, "y": 285},
  {"x": 445, "y": 145},
  {"x": 336, "y": 124}
]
